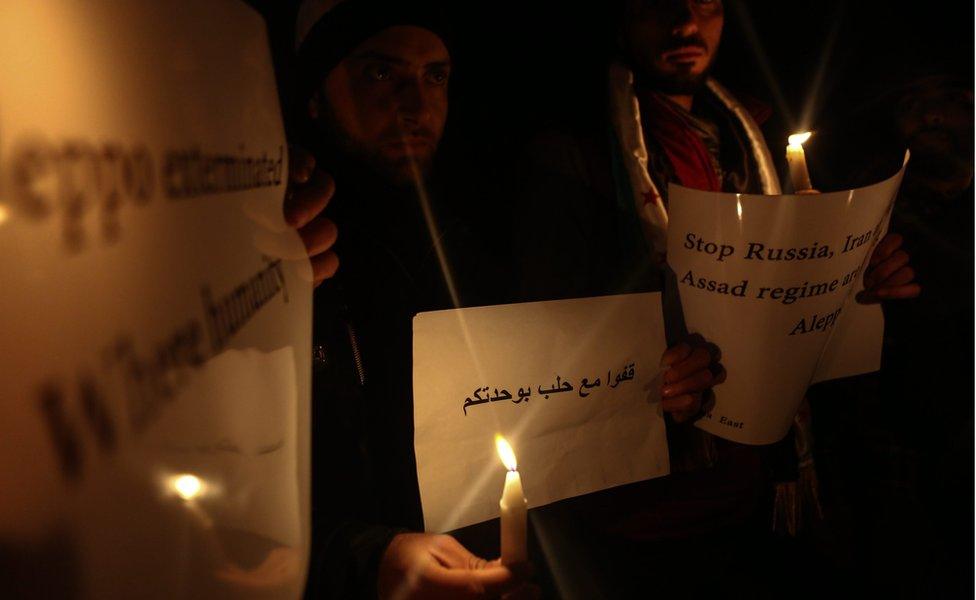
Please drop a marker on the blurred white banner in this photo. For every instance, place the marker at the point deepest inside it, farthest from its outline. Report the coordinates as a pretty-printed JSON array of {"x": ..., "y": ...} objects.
[{"x": 155, "y": 309}]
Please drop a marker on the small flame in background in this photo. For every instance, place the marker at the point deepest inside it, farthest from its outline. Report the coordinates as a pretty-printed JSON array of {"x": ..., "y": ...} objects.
[
  {"x": 187, "y": 486},
  {"x": 506, "y": 453}
]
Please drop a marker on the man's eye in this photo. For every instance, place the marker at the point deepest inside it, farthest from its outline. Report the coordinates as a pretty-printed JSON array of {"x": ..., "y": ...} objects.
[
  {"x": 437, "y": 76},
  {"x": 379, "y": 72}
]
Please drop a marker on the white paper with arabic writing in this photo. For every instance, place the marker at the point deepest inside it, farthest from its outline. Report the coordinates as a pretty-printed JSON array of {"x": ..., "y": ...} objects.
[
  {"x": 776, "y": 343},
  {"x": 588, "y": 437}
]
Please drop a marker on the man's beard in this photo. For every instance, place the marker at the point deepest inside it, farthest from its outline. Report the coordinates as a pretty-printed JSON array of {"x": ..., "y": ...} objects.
[
  {"x": 368, "y": 164},
  {"x": 679, "y": 83}
]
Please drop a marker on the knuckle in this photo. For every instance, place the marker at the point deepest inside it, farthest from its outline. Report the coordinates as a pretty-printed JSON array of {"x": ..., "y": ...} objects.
[{"x": 903, "y": 276}]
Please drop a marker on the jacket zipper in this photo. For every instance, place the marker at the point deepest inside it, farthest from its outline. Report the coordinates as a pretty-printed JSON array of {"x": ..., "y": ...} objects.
[{"x": 357, "y": 356}]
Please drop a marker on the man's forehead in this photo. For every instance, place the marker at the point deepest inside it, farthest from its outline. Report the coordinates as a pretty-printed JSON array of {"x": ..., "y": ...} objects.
[{"x": 406, "y": 44}]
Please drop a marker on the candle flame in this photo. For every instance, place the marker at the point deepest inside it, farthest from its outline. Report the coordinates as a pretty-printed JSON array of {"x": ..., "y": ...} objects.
[
  {"x": 187, "y": 486},
  {"x": 797, "y": 139},
  {"x": 506, "y": 453}
]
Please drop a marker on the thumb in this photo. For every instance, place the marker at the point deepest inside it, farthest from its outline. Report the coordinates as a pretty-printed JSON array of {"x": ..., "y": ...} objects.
[
  {"x": 521, "y": 570},
  {"x": 493, "y": 580}
]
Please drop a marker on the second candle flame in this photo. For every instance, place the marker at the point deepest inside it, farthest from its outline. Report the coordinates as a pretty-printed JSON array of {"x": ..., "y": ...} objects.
[{"x": 506, "y": 453}]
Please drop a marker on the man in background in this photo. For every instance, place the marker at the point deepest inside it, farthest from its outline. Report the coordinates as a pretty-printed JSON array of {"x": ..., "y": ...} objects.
[{"x": 374, "y": 79}]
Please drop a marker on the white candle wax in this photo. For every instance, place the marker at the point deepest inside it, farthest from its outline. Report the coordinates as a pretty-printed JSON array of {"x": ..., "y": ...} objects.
[
  {"x": 797, "y": 159},
  {"x": 514, "y": 508},
  {"x": 514, "y": 511}
]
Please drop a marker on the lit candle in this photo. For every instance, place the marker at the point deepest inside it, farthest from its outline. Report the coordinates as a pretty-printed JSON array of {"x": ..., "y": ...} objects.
[
  {"x": 798, "y": 163},
  {"x": 514, "y": 508}
]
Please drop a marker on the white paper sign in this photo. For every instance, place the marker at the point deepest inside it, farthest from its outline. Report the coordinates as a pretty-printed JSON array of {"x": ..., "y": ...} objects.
[
  {"x": 155, "y": 309},
  {"x": 770, "y": 280},
  {"x": 572, "y": 384}
]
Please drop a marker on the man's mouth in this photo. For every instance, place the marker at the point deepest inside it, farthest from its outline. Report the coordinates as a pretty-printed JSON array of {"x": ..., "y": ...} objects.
[
  {"x": 683, "y": 54},
  {"x": 410, "y": 146},
  {"x": 410, "y": 143}
]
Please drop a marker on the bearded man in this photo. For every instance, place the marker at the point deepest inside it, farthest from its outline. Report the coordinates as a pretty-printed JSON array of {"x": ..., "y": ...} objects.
[{"x": 595, "y": 206}]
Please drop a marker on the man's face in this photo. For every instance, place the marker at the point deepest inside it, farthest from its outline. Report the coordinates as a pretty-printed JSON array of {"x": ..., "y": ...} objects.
[
  {"x": 935, "y": 120},
  {"x": 386, "y": 102},
  {"x": 672, "y": 43}
]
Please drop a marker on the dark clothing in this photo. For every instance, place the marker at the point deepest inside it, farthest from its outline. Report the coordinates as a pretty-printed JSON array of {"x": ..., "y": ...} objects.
[
  {"x": 896, "y": 447},
  {"x": 586, "y": 242},
  {"x": 582, "y": 242},
  {"x": 581, "y": 238},
  {"x": 362, "y": 385}
]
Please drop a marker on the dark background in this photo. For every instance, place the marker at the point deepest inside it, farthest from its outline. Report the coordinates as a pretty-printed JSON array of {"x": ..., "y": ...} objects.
[
  {"x": 523, "y": 66},
  {"x": 894, "y": 450}
]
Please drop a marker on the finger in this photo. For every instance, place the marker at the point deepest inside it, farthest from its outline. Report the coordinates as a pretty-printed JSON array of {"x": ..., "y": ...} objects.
[
  {"x": 902, "y": 292},
  {"x": 675, "y": 354},
  {"x": 683, "y": 403},
  {"x": 885, "y": 268},
  {"x": 683, "y": 408},
  {"x": 324, "y": 266},
  {"x": 714, "y": 350},
  {"x": 300, "y": 165},
  {"x": 699, "y": 359},
  {"x": 319, "y": 236},
  {"x": 304, "y": 203},
  {"x": 902, "y": 276},
  {"x": 523, "y": 571},
  {"x": 885, "y": 247},
  {"x": 699, "y": 381},
  {"x": 718, "y": 374},
  {"x": 472, "y": 583},
  {"x": 912, "y": 290},
  {"x": 867, "y": 297},
  {"x": 452, "y": 553}
]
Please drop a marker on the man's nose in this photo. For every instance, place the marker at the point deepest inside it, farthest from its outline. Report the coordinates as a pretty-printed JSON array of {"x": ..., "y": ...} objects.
[
  {"x": 413, "y": 102},
  {"x": 684, "y": 23}
]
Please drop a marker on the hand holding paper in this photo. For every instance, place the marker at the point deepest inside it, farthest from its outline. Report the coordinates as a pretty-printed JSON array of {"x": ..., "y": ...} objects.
[
  {"x": 693, "y": 368},
  {"x": 309, "y": 192},
  {"x": 889, "y": 275}
]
